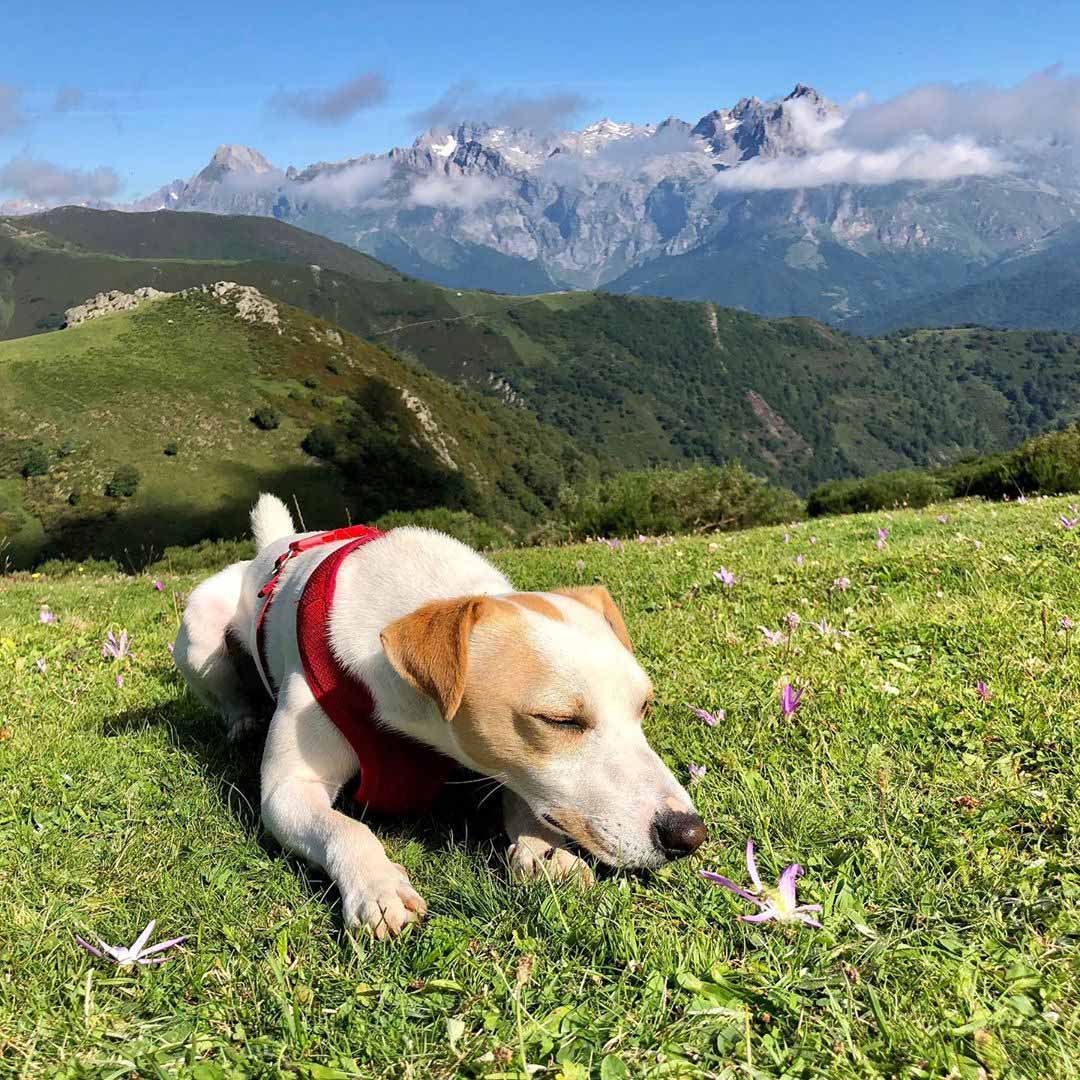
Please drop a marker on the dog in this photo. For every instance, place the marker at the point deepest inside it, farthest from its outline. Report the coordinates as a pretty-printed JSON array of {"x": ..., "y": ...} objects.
[{"x": 539, "y": 691}]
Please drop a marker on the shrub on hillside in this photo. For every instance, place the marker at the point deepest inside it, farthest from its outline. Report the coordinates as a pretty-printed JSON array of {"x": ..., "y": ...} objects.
[
  {"x": 124, "y": 482},
  {"x": 203, "y": 557},
  {"x": 666, "y": 500},
  {"x": 266, "y": 418},
  {"x": 36, "y": 463},
  {"x": 460, "y": 524},
  {"x": 906, "y": 487},
  {"x": 320, "y": 442}
]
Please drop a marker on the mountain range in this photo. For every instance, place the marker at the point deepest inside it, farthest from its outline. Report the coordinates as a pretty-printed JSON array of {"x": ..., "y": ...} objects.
[
  {"x": 766, "y": 205},
  {"x": 602, "y": 381}
]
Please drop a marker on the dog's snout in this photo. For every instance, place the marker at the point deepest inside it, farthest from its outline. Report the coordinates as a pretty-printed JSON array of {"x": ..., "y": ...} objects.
[{"x": 677, "y": 833}]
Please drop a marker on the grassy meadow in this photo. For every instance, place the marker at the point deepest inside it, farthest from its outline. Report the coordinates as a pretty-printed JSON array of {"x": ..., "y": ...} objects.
[{"x": 938, "y": 827}]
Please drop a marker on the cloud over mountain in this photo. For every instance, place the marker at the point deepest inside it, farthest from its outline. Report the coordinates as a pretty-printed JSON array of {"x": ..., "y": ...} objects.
[
  {"x": 335, "y": 105},
  {"x": 540, "y": 114},
  {"x": 46, "y": 182},
  {"x": 1045, "y": 104}
]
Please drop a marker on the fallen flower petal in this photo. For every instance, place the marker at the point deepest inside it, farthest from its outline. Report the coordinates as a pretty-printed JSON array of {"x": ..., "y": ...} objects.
[
  {"x": 779, "y": 904},
  {"x": 137, "y": 953},
  {"x": 712, "y": 719}
]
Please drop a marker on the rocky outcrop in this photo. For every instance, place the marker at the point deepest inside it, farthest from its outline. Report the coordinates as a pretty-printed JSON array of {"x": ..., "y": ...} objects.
[
  {"x": 250, "y": 304},
  {"x": 109, "y": 303}
]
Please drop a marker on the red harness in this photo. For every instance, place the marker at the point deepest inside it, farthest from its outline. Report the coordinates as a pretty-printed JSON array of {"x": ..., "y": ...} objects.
[{"x": 397, "y": 774}]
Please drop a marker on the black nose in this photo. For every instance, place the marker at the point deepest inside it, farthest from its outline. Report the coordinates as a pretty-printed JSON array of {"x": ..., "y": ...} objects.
[{"x": 677, "y": 833}]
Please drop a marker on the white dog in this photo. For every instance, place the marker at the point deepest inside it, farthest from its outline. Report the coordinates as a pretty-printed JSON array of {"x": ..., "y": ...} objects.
[{"x": 409, "y": 653}]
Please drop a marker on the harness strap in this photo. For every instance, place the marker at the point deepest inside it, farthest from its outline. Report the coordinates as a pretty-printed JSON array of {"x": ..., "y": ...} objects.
[{"x": 362, "y": 534}]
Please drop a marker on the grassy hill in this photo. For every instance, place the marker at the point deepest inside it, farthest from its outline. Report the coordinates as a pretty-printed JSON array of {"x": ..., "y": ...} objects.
[
  {"x": 171, "y": 389},
  {"x": 938, "y": 830},
  {"x": 636, "y": 380}
]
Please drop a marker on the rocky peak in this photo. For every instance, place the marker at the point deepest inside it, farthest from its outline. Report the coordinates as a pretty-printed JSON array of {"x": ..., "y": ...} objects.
[
  {"x": 803, "y": 91},
  {"x": 230, "y": 158}
]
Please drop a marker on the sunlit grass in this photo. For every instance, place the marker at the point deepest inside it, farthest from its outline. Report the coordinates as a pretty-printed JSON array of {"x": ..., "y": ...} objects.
[{"x": 938, "y": 830}]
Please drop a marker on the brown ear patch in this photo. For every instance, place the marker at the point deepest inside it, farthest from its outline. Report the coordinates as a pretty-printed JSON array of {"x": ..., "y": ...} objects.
[
  {"x": 599, "y": 599},
  {"x": 539, "y": 603},
  {"x": 429, "y": 648}
]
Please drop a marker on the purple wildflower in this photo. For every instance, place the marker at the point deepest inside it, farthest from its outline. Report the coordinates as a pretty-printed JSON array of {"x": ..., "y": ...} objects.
[
  {"x": 791, "y": 699},
  {"x": 41, "y": 665},
  {"x": 696, "y": 771},
  {"x": 823, "y": 627},
  {"x": 46, "y": 616},
  {"x": 1068, "y": 522},
  {"x": 710, "y": 718},
  {"x": 724, "y": 576},
  {"x": 943, "y": 519},
  {"x": 1066, "y": 624},
  {"x": 779, "y": 904},
  {"x": 119, "y": 681},
  {"x": 772, "y": 637},
  {"x": 116, "y": 648},
  {"x": 171, "y": 647},
  {"x": 792, "y": 620},
  {"x": 159, "y": 586},
  {"x": 813, "y": 539},
  {"x": 984, "y": 691},
  {"x": 787, "y": 538},
  {"x": 842, "y": 584},
  {"x": 883, "y": 534},
  {"x": 137, "y": 953},
  {"x": 799, "y": 560}
]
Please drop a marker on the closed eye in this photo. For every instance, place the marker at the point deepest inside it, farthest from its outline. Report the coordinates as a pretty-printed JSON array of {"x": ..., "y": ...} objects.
[{"x": 573, "y": 723}]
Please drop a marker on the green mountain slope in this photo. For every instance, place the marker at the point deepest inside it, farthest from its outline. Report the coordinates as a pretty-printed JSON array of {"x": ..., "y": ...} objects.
[
  {"x": 634, "y": 380},
  {"x": 171, "y": 389},
  {"x": 1039, "y": 289}
]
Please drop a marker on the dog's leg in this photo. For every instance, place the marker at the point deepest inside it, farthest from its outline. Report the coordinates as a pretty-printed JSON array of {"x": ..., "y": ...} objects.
[
  {"x": 305, "y": 764},
  {"x": 534, "y": 848},
  {"x": 201, "y": 650}
]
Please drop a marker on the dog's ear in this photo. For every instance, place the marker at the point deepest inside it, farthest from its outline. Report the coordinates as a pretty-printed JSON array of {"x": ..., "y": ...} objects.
[
  {"x": 599, "y": 599},
  {"x": 430, "y": 648}
]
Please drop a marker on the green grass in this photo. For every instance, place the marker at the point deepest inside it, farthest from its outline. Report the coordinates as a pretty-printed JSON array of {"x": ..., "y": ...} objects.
[{"x": 938, "y": 830}]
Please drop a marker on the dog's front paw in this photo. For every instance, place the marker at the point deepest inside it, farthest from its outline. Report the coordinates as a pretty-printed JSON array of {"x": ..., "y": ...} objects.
[
  {"x": 532, "y": 858},
  {"x": 385, "y": 902}
]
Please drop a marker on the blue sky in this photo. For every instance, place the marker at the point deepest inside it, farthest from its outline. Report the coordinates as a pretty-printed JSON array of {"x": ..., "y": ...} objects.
[{"x": 157, "y": 87}]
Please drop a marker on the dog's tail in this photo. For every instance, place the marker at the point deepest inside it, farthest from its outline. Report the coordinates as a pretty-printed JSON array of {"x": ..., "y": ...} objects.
[{"x": 270, "y": 520}]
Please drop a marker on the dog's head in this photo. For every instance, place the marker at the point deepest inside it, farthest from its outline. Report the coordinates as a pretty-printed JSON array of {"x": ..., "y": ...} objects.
[{"x": 542, "y": 691}]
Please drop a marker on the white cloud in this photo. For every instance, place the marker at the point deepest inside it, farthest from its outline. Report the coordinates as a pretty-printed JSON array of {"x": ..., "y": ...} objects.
[
  {"x": 917, "y": 158},
  {"x": 461, "y": 102},
  {"x": 351, "y": 186},
  {"x": 1044, "y": 105},
  {"x": 455, "y": 192},
  {"x": 337, "y": 104},
  {"x": 44, "y": 181}
]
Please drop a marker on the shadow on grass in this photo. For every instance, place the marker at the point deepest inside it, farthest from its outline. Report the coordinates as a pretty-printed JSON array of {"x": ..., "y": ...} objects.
[{"x": 466, "y": 816}]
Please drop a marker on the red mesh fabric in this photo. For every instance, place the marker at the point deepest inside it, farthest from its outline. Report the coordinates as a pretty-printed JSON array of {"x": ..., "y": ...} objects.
[{"x": 397, "y": 774}]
